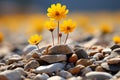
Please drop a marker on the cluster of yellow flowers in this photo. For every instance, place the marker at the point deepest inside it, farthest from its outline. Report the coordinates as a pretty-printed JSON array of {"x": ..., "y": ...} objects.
[{"x": 55, "y": 12}]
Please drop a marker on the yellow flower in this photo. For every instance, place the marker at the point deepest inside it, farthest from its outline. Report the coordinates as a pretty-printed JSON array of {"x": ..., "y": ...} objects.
[
  {"x": 106, "y": 28},
  {"x": 57, "y": 11},
  {"x": 67, "y": 26},
  {"x": 50, "y": 25},
  {"x": 116, "y": 39},
  {"x": 1, "y": 37},
  {"x": 35, "y": 39}
]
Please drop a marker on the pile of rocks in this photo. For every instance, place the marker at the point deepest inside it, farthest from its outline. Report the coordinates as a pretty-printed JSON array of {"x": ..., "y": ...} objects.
[{"x": 61, "y": 62}]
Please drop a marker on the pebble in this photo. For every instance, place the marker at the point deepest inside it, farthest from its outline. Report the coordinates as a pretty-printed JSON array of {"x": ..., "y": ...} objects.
[
  {"x": 98, "y": 56},
  {"x": 21, "y": 71},
  {"x": 81, "y": 53},
  {"x": 99, "y": 68},
  {"x": 73, "y": 58},
  {"x": 76, "y": 69},
  {"x": 65, "y": 74},
  {"x": 60, "y": 49},
  {"x": 49, "y": 68},
  {"x": 113, "y": 68},
  {"x": 43, "y": 76},
  {"x": 86, "y": 70},
  {"x": 13, "y": 58},
  {"x": 116, "y": 52},
  {"x": 84, "y": 62},
  {"x": 10, "y": 75},
  {"x": 113, "y": 61},
  {"x": 56, "y": 78},
  {"x": 74, "y": 78},
  {"x": 33, "y": 54},
  {"x": 29, "y": 48},
  {"x": 115, "y": 46},
  {"x": 106, "y": 51},
  {"x": 53, "y": 58},
  {"x": 98, "y": 75},
  {"x": 31, "y": 65}
]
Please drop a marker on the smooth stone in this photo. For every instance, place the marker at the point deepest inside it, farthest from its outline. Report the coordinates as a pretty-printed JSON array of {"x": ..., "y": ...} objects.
[
  {"x": 74, "y": 78},
  {"x": 115, "y": 46},
  {"x": 69, "y": 65},
  {"x": 76, "y": 69},
  {"x": 92, "y": 52},
  {"x": 53, "y": 58},
  {"x": 116, "y": 52},
  {"x": 73, "y": 58},
  {"x": 31, "y": 65},
  {"x": 56, "y": 78},
  {"x": 65, "y": 74},
  {"x": 84, "y": 62},
  {"x": 36, "y": 53},
  {"x": 10, "y": 75},
  {"x": 98, "y": 75},
  {"x": 29, "y": 48},
  {"x": 113, "y": 61},
  {"x": 99, "y": 69},
  {"x": 13, "y": 58},
  {"x": 86, "y": 70},
  {"x": 113, "y": 68},
  {"x": 41, "y": 77},
  {"x": 106, "y": 51},
  {"x": 60, "y": 49},
  {"x": 49, "y": 68},
  {"x": 94, "y": 49},
  {"x": 33, "y": 54},
  {"x": 81, "y": 53},
  {"x": 98, "y": 56},
  {"x": 21, "y": 71}
]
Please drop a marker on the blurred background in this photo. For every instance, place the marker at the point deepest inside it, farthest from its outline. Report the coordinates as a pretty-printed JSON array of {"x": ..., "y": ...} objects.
[{"x": 21, "y": 18}]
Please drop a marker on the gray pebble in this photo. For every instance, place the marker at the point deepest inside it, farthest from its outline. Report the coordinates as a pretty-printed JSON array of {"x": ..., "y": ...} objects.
[
  {"x": 50, "y": 68},
  {"x": 10, "y": 75},
  {"x": 56, "y": 78},
  {"x": 65, "y": 74},
  {"x": 98, "y": 75},
  {"x": 41, "y": 77},
  {"x": 109, "y": 67},
  {"x": 81, "y": 53},
  {"x": 53, "y": 58}
]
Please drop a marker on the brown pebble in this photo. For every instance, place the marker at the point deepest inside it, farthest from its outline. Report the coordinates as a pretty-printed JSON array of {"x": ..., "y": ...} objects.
[
  {"x": 73, "y": 58},
  {"x": 100, "y": 69},
  {"x": 113, "y": 61},
  {"x": 76, "y": 69},
  {"x": 84, "y": 62}
]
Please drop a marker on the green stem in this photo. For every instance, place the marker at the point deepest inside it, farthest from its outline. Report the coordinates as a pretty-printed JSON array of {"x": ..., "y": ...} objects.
[
  {"x": 58, "y": 32},
  {"x": 52, "y": 37},
  {"x": 38, "y": 47},
  {"x": 66, "y": 38}
]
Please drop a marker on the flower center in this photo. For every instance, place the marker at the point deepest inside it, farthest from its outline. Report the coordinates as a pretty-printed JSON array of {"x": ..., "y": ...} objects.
[
  {"x": 35, "y": 41},
  {"x": 68, "y": 27},
  {"x": 57, "y": 13}
]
